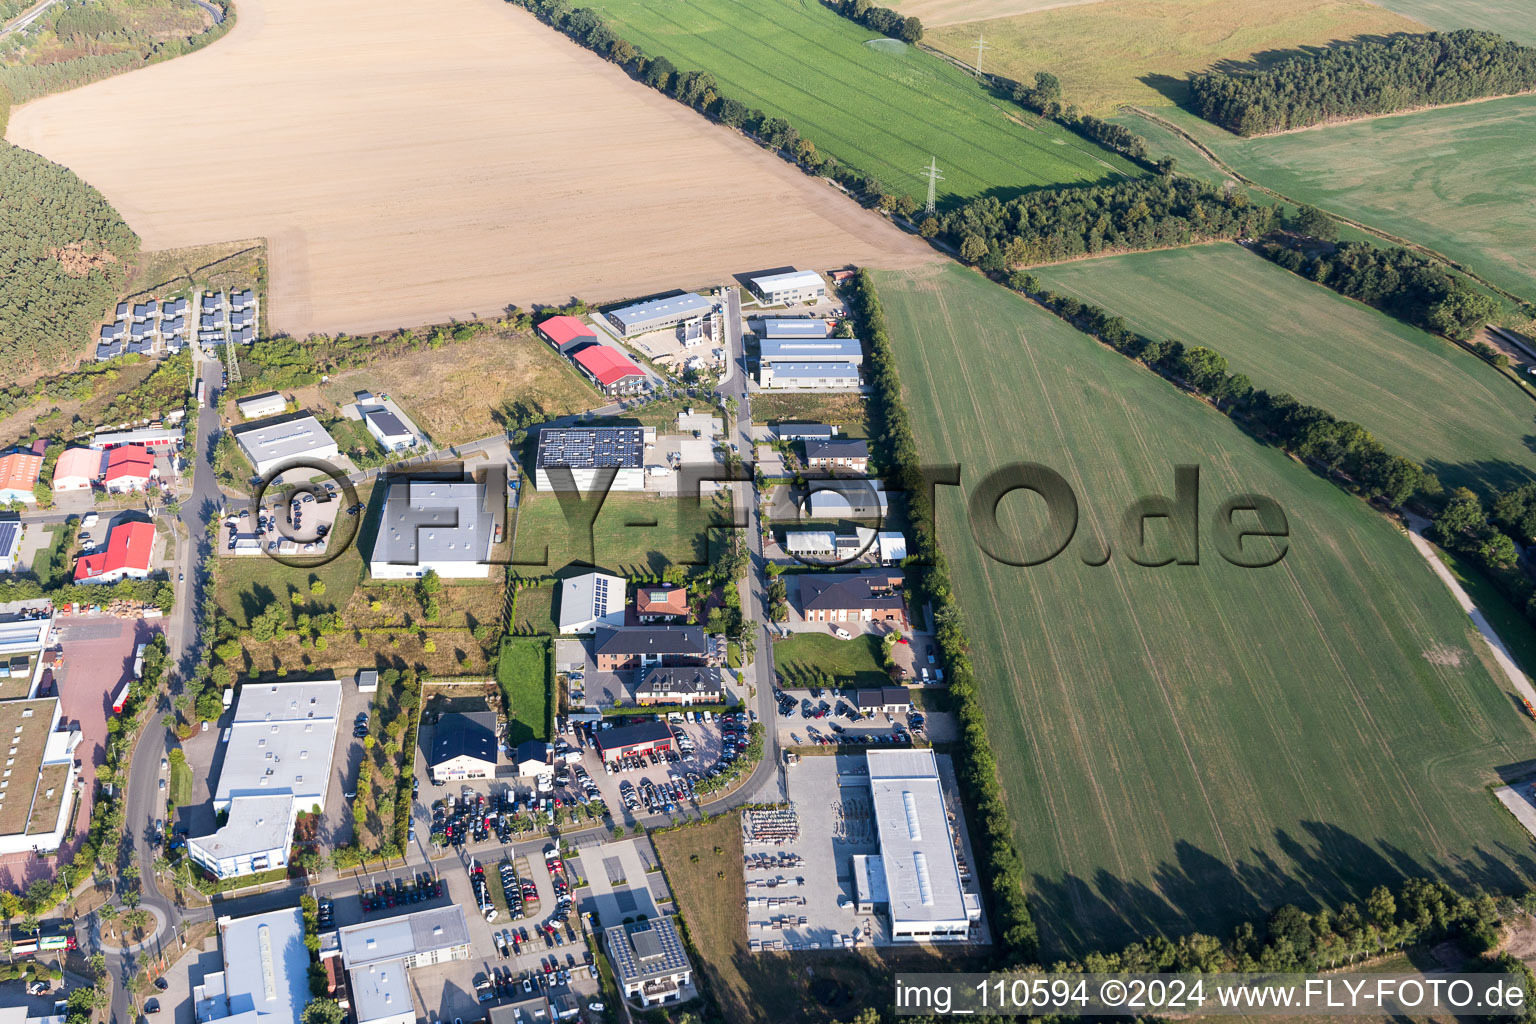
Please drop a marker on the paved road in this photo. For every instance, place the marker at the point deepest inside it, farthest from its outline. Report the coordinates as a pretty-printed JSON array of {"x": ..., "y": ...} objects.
[
  {"x": 17, "y": 24},
  {"x": 144, "y": 801},
  {"x": 216, "y": 13}
]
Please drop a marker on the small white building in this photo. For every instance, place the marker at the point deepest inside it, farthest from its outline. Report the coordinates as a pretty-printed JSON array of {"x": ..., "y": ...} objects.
[
  {"x": 795, "y": 286},
  {"x": 388, "y": 429},
  {"x": 591, "y": 600},
  {"x": 649, "y": 961},
  {"x": 254, "y": 407}
]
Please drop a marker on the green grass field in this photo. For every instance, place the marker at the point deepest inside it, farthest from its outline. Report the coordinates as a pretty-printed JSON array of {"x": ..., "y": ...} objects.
[
  {"x": 1511, "y": 18},
  {"x": 1456, "y": 179},
  {"x": 850, "y": 663},
  {"x": 522, "y": 672},
  {"x": 632, "y": 533},
  {"x": 1422, "y": 397},
  {"x": 884, "y": 109},
  {"x": 181, "y": 784},
  {"x": 1187, "y": 747}
]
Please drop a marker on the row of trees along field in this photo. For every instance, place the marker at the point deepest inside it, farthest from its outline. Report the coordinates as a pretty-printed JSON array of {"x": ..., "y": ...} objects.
[
  {"x": 1394, "y": 280},
  {"x": 1364, "y": 78},
  {"x": 63, "y": 253},
  {"x": 1060, "y": 224},
  {"x": 1491, "y": 538},
  {"x": 1339, "y": 449},
  {"x": 1044, "y": 98},
  {"x": 880, "y": 19}
]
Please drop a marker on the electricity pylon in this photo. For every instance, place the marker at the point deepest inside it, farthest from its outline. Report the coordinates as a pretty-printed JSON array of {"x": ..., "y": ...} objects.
[{"x": 931, "y": 172}]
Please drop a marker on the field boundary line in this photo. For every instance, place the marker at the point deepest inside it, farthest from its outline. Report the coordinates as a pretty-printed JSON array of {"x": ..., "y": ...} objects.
[{"x": 1407, "y": 243}]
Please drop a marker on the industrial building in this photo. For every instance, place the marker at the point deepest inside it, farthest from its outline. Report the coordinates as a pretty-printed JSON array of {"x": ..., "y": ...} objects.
[
  {"x": 813, "y": 350},
  {"x": 444, "y": 525},
  {"x": 265, "y": 979},
  {"x": 616, "y": 649},
  {"x": 129, "y": 553},
  {"x": 828, "y": 544},
  {"x": 649, "y": 961},
  {"x": 36, "y": 804},
  {"x": 270, "y": 446},
  {"x": 77, "y": 469},
  {"x": 572, "y": 459},
  {"x": 682, "y": 685},
  {"x": 154, "y": 438},
  {"x": 377, "y": 955},
  {"x": 567, "y": 333},
  {"x": 658, "y": 314},
  {"x": 804, "y": 431},
  {"x": 915, "y": 879},
  {"x": 819, "y": 376},
  {"x": 846, "y": 499},
  {"x": 630, "y": 740},
  {"x": 10, "y": 543},
  {"x": 277, "y": 762},
  {"x": 795, "y": 286},
  {"x": 610, "y": 370},
  {"x": 271, "y": 403},
  {"x": 793, "y": 327},
  {"x": 19, "y": 474},
  {"x": 591, "y": 600},
  {"x": 463, "y": 747}
]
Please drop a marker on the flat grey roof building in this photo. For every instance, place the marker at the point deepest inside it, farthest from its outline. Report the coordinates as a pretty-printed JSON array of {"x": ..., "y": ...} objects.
[
  {"x": 266, "y": 969},
  {"x": 840, "y": 449},
  {"x": 444, "y": 525},
  {"x": 917, "y": 852},
  {"x": 814, "y": 372},
  {"x": 655, "y": 314},
  {"x": 793, "y": 327},
  {"x": 281, "y": 741},
  {"x": 377, "y": 955},
  {"x": 270, "y": 445}
]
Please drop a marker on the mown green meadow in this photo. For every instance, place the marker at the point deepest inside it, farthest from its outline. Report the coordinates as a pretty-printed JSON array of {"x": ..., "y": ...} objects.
[
  {"x": 1187, "y": 747},
  {"x": 1420, "y": 395},
  {"x": 876, "y": 105},
  {"x": 1456, "y": 179}
]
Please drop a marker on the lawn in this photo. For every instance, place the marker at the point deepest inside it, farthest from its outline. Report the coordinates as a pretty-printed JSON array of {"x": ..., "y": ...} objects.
[
  {"x": 846, "y": 412},
  {"x": 702, "y": 863},
  {"x": 1456, "y": 179},
  {"x": 523, "y": 673},
  {"x": 884, "y": 109},
  {"x": 1187, "y": 747},
  {"x": 536, "y": 611},
  {"x": 1140, "y": 51},
  {"x": 850, "y": 663},
  {"x": 1421, "y": 396},
  {"x": 1511, "y": 18},
  {"x": 181, "y": 783},
  {"x": 248, "y": 585},
  {"x": 631, "y": 533}
]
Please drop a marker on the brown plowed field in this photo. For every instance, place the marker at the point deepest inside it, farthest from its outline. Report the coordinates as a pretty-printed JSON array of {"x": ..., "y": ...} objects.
[{"x": 410, "y": 163}]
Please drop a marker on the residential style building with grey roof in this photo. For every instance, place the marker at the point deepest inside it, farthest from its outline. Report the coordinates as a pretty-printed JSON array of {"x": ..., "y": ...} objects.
[
  {"x": 444, "y": 525},
  {"x": 874, "y": 596},
  {"x": 615, "y": 649},
  {"x": 463, "y": 747},
  {"x": 839, "y": 454},
  {"x": 649, "y": 961},
  {"x": 682, "y": 685}
]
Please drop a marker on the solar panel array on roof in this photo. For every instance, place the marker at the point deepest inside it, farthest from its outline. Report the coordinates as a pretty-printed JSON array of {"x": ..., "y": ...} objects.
[
  {"x": 651, "y": 949},
  {"x": 586, "y": 448}
]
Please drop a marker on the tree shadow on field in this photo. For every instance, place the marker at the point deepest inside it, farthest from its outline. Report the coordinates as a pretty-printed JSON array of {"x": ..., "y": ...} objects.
[{"x": 1200, "y": 892}]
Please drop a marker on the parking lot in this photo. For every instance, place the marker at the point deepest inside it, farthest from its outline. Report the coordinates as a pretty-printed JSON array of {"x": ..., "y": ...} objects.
[
  {"x": 816, "y": 716},
  {"x": 299, "y": 526}
]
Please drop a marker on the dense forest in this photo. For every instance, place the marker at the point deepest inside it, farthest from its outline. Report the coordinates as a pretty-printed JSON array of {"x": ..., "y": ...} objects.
[
  {"x": 1364, "y": 78},
  {"x": 1395, "y": 281},
  {"x": 880, "y": 19},
  {"x": 62, "y": 259},
  {"x": 1059, "y": 224}
]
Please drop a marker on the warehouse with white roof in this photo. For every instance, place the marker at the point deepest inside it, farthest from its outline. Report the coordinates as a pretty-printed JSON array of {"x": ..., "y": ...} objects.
[
  {"x": 266, "y": 970},
  {"x": 270, "y": 445},
  {"x": 658, "y": 314},
  {"x": 277, "y": 762},
  {"x": 443, "y": 525},
  {"x": 795, "y": 286},
  {"x": 915, "y": 878}
]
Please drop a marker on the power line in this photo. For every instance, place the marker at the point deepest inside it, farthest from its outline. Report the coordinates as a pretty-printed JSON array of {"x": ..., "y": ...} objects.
[
  {"x": 931, "y": 172},
  {"x": 981, "y": 45}
]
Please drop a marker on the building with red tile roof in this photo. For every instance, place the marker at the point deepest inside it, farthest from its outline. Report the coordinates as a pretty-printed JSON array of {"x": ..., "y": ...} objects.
[
  {"x": 661, "y": 604},
  {"x": 129, "y": 468},
  {"x": 130, "y": 548},
  {"x": 610, "y": 370}
]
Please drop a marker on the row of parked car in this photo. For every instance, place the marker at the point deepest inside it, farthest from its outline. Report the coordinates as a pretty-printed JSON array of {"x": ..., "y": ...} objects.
[
  {"x": 516, "y": 890},
  {"x": 395, "y": 892}
]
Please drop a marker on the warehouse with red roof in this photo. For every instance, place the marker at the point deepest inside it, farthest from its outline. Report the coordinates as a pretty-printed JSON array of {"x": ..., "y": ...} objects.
[
  {"x": 613, "y": 372},
  {"x": 130, "y": 467},
  {"x": 567, "y": 333},
  {"x": 130, "y": 548}
]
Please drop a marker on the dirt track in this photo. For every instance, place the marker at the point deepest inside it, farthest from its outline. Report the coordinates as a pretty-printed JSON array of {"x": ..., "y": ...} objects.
[{"x": 406, "y": 172}]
